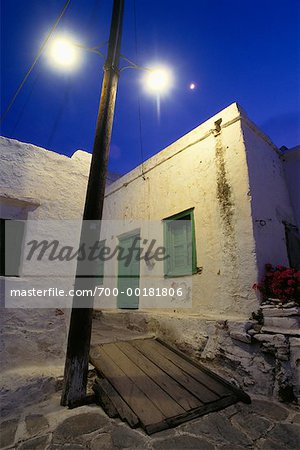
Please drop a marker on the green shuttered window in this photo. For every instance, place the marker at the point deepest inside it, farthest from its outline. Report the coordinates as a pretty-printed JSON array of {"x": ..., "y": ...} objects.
[
  {"x": 179, "y": 234},
  {"x": 11, "y": 243}
]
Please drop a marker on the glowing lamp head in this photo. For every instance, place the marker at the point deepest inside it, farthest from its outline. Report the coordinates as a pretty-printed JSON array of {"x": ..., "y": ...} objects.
[
  {"x": 158, "y": 80},
  {"x": 63, "y": 54}
]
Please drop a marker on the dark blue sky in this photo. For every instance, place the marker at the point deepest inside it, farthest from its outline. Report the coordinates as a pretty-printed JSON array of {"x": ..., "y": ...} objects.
[{"x": 245, "y": 51}]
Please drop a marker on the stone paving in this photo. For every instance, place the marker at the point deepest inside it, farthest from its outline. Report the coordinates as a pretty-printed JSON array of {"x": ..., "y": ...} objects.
[{"x": 264, "y": 425}]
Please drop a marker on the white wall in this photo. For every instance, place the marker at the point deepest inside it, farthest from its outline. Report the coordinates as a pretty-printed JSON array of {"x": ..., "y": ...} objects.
[
  {"x": 270, "y": 200},
  {"x": 49, "y": 185},
  {"x": 206, "y": 170},
  {"x": 37, "y": 184}
]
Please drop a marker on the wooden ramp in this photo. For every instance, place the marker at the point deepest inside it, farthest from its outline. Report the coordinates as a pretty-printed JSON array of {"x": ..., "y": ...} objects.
[{"x": 149, "y": 384}]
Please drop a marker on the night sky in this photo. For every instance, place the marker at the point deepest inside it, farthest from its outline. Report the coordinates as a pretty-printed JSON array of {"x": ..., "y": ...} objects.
[{"x": 245, "y": 51}]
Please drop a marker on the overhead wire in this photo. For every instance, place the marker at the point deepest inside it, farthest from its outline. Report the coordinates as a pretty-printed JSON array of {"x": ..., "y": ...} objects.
[
  {"x": 40, "y": 52},
  {"x": 138, "y": 94},
  {"x": 64, "y": 103},
  {"x": 23, "y": 108}
]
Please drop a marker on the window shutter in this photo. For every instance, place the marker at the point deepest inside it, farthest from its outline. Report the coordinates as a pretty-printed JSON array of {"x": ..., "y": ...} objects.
[
  {"x": 180, "y": 246},
  {"x": 2, "y": 247},
  {"x": 293, "y": 245},
  {"x": 14, "y": 234}
]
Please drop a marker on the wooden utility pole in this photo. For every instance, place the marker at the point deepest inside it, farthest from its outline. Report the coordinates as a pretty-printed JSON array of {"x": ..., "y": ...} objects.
[{"x": 77, "y": 357}]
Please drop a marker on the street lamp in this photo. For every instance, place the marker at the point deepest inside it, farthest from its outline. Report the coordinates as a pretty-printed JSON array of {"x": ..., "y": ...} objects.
[
  {"x": 63, "y": 54},
  {"x": 158, "y": 80}
]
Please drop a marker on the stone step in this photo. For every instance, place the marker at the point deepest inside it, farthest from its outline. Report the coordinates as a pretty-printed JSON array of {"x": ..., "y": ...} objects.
[
  {"x": 276, "y": 330},
  {"x": 287, "y": 323},
  {"x": 281, "y": 312}
]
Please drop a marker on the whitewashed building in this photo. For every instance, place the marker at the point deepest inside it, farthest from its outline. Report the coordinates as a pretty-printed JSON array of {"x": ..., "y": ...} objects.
[{"x": 240, "y": 194}]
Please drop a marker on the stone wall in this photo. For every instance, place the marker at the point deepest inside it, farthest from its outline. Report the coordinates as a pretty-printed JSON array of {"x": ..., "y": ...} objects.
[
  {"x": 277, "y": 330},
  {"x": 258, "y": 354}
]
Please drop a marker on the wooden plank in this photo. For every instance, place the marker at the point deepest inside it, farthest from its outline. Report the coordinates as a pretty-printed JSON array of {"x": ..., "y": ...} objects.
[
  {"x": 113, "y": 403},
  {"x": 168, "y": 384},
  {"x": 103, "y": 399},
  {"x": 204, "y": 409},
  {"x": 152, "y": 391},
  {"x": 149, "y": 383},
  {"x": 199, "y": 390},
  {"x": 231, "y": 387},
  {"x": 189, "y": 368},
  {"x": 133, "y": 396}
]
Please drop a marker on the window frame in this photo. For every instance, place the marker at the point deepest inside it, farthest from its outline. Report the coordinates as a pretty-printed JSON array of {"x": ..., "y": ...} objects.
[
  {"x": 168, "y": 273},
  {"x": 19, "y": 259},
  {"x": 292, "y": 253},
  {"x": 2, "y": 247}
]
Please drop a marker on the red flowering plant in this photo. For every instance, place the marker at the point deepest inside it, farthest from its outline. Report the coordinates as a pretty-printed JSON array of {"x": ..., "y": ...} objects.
[{"x": 279, "y": 282}]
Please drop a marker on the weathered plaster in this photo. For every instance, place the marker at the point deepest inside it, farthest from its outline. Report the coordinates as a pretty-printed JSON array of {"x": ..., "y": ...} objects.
[
  {"x": 206, "y": 169},
  {"x": 37, "y": 184},
  {"x": 40, "y": 177},
  {"x": 270, "y": 199}
]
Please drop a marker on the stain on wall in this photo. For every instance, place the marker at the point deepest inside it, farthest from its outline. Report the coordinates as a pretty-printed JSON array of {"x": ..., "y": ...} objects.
[{"x": 225, "y": 201}]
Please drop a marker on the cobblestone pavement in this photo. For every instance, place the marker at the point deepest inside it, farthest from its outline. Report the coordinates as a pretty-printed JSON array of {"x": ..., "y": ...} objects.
[{"x": 262, "y": 425}]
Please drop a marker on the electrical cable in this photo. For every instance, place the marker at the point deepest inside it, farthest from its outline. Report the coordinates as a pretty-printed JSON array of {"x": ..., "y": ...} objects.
[
  {"x": 64, "y": 103},
  {"x": 42, "y": 48},
  {"x": 23, "y": 108},
  {"x": 138, "y": 94}
]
